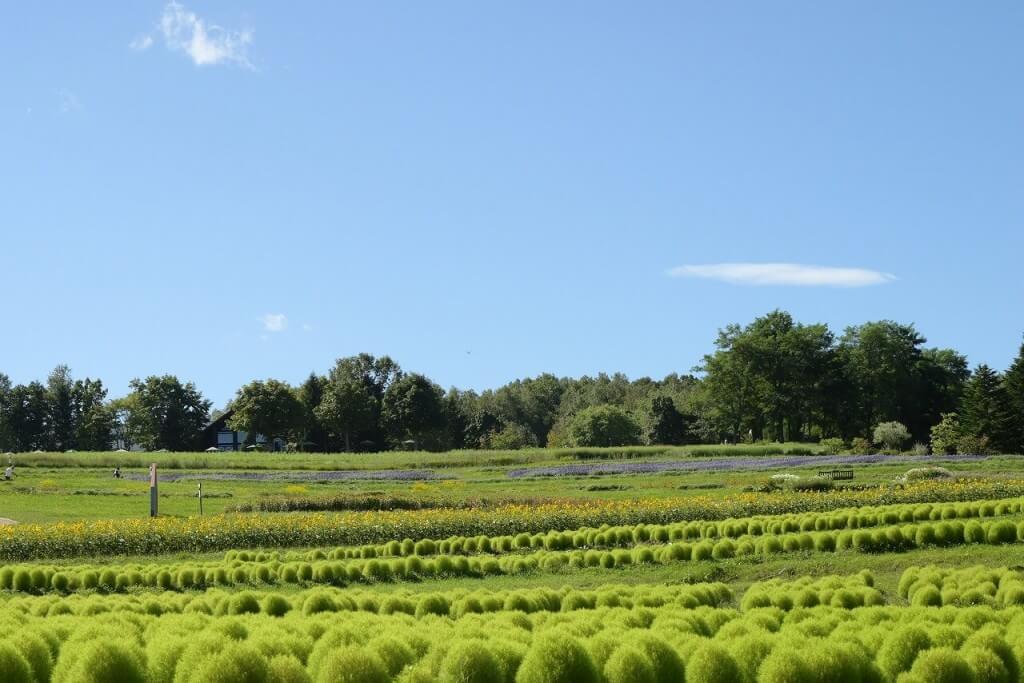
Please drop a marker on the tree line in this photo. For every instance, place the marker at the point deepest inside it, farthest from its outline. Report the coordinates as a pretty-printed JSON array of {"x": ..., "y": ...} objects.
[{"x": 773, "y": 379}]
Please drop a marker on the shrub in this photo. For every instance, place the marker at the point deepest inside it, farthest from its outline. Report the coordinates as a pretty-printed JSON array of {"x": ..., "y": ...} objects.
[
  {"x": 891, "y": 435},
  {"x": 240, "y": 663},
  {"x": 899, "y": 650},
  {"x": 14, "y": 668},
  {"x": 287, "y": 669},
  {"x": 243, "y": 603},
  {"x": 556, "y": 658},
  {"x": 276, "y": 605},
  {"x": 1002, "y": 532},
  {"x": 629, "y": 665},
  {"x": 941, "y": 665},
  {"x": 861, "y": 446},
  {"x": 469, "y": 661},
  {"x": 833, "y": 446},
  {"x": 101, "y": 660},
  {"x": 352, "y": 665},
  {"x": 712, "y": 663}
]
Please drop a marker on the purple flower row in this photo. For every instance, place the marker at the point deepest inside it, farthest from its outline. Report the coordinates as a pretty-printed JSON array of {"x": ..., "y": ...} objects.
[
  {"x": 329, "y": 475},
  {"x": 727, "y": 464}
]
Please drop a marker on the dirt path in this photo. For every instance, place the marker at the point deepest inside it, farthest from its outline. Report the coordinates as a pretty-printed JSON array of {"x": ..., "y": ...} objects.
[{"x": 6, "y": 522}]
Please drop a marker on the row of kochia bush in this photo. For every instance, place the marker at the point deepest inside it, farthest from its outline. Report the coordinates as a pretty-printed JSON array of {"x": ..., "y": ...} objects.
[
  {"x": 64, "y": 540},
  {"x": 190, "y": 576},
  {"x": 455, "y": 603},
  {"x": 934, "y": 586},
  {"x": 627, "y": 536},
  {"x": 605, "y": 645}
]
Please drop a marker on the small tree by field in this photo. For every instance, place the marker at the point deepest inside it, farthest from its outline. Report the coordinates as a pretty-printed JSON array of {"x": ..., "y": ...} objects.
[
  {"x": 891, "y": 435},
  {"x": 946, "y": 435},
  {"x": 604, "y": 425}
]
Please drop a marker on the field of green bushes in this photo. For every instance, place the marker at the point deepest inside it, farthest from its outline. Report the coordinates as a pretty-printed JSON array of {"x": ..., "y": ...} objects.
[{"x": 909, "y": 573}]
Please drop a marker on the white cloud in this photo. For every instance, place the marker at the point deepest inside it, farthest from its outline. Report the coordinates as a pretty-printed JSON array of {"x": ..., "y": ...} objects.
[
  {"x": 275, "y": 322},
  {"x": 143, "y": 42},
  {"x": 69, "y": 102},
  {"x": 205, "y": 44},
  {"x": 791, "y": 274},
  {"x": 306, "y": 327}
]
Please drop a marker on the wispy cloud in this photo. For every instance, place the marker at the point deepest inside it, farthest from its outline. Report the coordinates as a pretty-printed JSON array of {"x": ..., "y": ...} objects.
[
  {"x": 205, "y": 44},
  {"x": 275, "y": 322},
  {"x": 143, "y": 42},
  {"x": 68, "y": 102},
  {"x": 784, "y": 274}
]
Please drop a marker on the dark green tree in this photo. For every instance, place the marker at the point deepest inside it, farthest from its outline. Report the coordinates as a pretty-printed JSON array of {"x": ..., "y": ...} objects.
[
  {"x": 1013, "y": 386},
  {"x": 60, "y": 395},
  {"x": 413, "y": 409},
  {"x": 311, "y": 393},
  {"x": 93, "y": 417},
  {"x": 985, "y": 411},
  {"x": 28, "y": 419},
  {"x": 268, "y": 408},
  {"x": 374, "y": 375},
  {"x": 665, "y": 424},
  {"x": 168, "y": 414}
]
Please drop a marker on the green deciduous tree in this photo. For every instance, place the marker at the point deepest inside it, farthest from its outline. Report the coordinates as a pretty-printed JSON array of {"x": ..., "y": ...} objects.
[
  {"x": 665, "y": 424},
  {"x": 413, "y": 408},
  {"x": 604, "y": 425},
  {"x": 347, "y": 407},
  {"x": 168, "y": 414},
  {"x": 891, "y": 435},
  {"x": 269, "y": 408}
]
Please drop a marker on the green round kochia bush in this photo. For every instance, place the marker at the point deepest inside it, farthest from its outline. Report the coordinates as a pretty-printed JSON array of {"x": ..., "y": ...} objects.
[
  {"x": 318, "y": 601},
  {"x": 900, "y": 649},
  {"x": 470, "y": 661},
  {"x": 243, "y": 602},
  {"x": 239, "y": 663},
  {"x": 668, "y": 666},
  {"x": 433, "y": 604},
  {"x": 941, "y": 665},
  {"x": 724, "y": 549},
  {"x": 14, "y": 668},
  {"x": 927, "y": 596},
  {"x": 58, "y": 582},
  {"x": 287, "y": 669},
  {"x": 986, "y": 665},
  {"x": 352, "y": 665},
  {"x": 393, "y": 653},
  {"x": 22, "y": 580},
  {"x": 37, "y": 653},
  {"x": 629, "y": 665},
  {"x": 1002, "y": 532},
  {"x": 555, "y": 657},
  {"x": 712, "y": 663},
  {"x": 100, "y": 660},
  {"x": 974, "y": 532},
  {"x": 784, "y": 665},
  {"x": 276, "y": 605}
]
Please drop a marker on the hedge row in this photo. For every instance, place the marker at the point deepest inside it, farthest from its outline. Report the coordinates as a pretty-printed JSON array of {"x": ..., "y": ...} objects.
[{"x": 192, "y": 576}]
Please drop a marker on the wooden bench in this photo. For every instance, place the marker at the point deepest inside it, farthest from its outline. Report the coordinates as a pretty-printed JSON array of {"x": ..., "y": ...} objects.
[{"x": 836, "y": 474}]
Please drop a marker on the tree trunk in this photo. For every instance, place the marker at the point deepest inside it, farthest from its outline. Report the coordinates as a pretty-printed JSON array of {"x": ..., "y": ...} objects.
[{"x": 348, "y": 446}]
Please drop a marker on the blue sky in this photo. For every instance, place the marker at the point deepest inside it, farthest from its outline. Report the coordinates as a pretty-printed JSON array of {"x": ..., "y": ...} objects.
[{"x": 246, "y": 189}]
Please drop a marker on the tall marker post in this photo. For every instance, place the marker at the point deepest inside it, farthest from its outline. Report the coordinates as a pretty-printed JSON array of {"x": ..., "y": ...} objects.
[
  {"x": 152, "y": 491},
  {"x": 200, "y": 499}
]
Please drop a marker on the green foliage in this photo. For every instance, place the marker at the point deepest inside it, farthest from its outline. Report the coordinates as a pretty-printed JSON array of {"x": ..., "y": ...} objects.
[
  {"x": 891, "y": 435},
  {"x": 269, "y": 408},
  {"x": 557, "y": 658},
  {"x": 470, "y": 662},
  {"x": 604, "y": 425},
  {"x": 946, "y": 435},
  {"x": 833, "y": 446}
]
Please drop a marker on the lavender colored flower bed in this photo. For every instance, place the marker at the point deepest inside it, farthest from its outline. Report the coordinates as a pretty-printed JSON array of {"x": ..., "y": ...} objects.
[
  {"x": 329, "y": 475},
  {"x": 726, "y": 464}
]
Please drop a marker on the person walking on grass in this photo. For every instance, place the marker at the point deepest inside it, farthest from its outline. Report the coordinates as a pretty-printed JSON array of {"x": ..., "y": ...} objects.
[{"x": 9, "y": 473}]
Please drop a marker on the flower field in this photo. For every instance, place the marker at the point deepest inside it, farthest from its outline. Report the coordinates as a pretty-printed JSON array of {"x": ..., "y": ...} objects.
[{"x": 900, "y": 580}]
